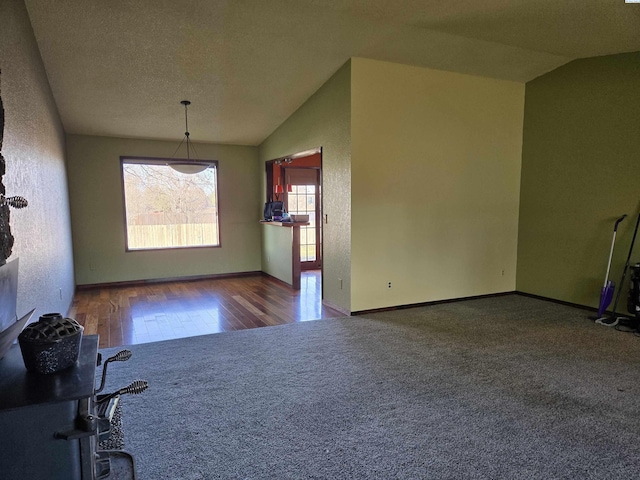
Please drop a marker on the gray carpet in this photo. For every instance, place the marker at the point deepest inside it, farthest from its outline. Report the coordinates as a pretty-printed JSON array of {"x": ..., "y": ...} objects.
[{"x": 501, "y": 388}]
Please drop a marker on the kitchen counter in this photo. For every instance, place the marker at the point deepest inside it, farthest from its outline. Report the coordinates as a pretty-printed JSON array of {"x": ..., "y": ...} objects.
[{"x": 281, "y": 251}]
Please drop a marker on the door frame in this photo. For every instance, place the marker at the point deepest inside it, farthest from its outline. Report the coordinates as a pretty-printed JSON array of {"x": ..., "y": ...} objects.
[
  {"x": 317, "y": 263},
  {"x": 270, "y": 179}
]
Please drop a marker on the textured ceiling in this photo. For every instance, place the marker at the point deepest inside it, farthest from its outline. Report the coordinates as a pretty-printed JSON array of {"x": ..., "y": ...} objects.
[{"x": 120, "y": 68}]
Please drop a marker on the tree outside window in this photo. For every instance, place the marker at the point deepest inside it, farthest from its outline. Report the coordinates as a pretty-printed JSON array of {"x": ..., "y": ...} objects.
[{"x": 168, "y": 209}]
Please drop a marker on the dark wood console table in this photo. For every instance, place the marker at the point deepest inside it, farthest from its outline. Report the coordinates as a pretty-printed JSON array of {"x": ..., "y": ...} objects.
[{"x": 43, "y": 430}]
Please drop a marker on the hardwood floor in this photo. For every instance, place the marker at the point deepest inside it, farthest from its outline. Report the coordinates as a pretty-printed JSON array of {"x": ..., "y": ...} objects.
[{"x": 163, "y": 311}]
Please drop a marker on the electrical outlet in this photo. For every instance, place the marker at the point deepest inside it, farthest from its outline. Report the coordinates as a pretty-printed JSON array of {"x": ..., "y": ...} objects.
[
  {"x": 389, "y": 285},
  {"x": 502, "y": 273},
  {"x": 60, "y": 290},
  {"x": 339, "y": 284},
  {"x": 92, "y": 267}
]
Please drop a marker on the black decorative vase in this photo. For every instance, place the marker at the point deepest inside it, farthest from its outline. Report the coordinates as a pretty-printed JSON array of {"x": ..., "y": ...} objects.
[{"x": 51, "y": 344}]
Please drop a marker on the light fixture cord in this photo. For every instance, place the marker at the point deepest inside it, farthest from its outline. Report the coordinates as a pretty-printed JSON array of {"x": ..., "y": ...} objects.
[
  {"x": 186, "y": 137},
  {"x": 186, "y": 127}
]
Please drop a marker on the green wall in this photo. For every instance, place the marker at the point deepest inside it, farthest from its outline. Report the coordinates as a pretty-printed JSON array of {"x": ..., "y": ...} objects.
[
  {"x": 277, "y": 259},
  {"x": 98, "y": 217},
  {"x": 324, "y": 121},
  {"x": 580, "y": 170},
  {"x": 435, "y": 184}
]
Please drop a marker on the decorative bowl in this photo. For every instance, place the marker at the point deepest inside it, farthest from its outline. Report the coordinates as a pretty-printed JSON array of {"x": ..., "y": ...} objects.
[{"x": 51, "y": 344}]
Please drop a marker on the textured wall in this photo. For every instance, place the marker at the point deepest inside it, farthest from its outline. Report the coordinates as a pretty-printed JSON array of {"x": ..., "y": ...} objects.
[
  {"x": 95, "y": 189},
  {"x": 435, "y": 171},
  {"x": 580, "y": 170},
  {"x": 324, "y": 121},
  {"x": 34, "y": 150},
  {"x": 277, "y": 260}
]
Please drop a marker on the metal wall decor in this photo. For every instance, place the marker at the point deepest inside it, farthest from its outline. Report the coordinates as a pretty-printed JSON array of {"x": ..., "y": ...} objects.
[{"x": 6, "y": 238}]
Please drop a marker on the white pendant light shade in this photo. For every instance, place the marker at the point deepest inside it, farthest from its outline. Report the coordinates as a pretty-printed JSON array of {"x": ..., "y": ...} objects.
[{"x": 189, "y": 168}]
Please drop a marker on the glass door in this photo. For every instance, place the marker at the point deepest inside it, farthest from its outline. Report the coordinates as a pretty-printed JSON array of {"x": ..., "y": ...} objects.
[{"x": 303, "y": 199}]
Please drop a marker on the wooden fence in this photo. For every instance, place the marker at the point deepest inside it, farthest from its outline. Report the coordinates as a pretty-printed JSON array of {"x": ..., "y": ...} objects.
[{"x": 175, "y": 235}]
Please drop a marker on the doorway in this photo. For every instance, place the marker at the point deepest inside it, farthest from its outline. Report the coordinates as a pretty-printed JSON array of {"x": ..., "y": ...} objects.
[{"x": 296, "y": 180}]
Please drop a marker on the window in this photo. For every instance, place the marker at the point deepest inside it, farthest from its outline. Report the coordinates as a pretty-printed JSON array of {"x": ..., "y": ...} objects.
[
  {"x": 302, "y": 200},
  {"x": 167, "y": 209}
]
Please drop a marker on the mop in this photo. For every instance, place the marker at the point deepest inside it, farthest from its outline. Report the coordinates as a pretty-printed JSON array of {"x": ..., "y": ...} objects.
[
  {"x": 609, "y": 285},
  {"x": 613, "y": 319}
]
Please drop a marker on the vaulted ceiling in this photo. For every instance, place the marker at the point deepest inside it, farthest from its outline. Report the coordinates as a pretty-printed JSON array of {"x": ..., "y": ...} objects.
[{"x": 121, "y": 67}]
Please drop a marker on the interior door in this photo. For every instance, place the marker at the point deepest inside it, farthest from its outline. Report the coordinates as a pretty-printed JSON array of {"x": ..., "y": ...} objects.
[{"x": 303, "y": 197}]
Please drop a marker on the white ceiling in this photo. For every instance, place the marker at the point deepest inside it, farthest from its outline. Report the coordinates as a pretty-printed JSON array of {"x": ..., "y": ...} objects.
[{"x": 121, "y": 67}]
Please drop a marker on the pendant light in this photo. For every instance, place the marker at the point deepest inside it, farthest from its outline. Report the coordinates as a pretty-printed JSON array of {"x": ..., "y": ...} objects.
[{"x": 188, "y": 166}]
